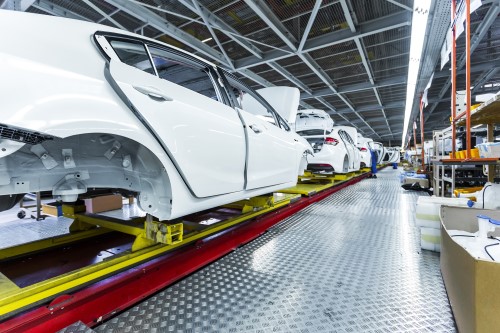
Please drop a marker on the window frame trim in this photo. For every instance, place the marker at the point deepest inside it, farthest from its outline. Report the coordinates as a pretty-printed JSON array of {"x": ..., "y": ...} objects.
[
  {"x": 202, "y": 65},
  {"x": 277, "y": 117}
]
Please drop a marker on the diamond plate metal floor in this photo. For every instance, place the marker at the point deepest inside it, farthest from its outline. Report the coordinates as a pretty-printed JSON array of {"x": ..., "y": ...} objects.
[{"x": 350, "y": 263}]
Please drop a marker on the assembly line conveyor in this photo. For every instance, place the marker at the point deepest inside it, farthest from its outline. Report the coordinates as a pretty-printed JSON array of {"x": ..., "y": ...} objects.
[{"x": 104, "y": 265}]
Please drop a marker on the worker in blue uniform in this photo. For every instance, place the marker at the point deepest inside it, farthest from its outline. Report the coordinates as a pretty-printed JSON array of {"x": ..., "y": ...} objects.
[{"x": 374, "y": 163}]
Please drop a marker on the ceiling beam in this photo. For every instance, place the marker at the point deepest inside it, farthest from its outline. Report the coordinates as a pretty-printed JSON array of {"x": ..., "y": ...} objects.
[
  {"x": 19, "y": 5},
  {"x": 481, "y": 30},
  {"x": 212, "y": 33},
  {"x": 309, "y": 25},
  {"x": 475, "y": 40},
  {"x": 385, "y": 23},
  {"x": 103, "y": 14},
  {"x": 216, "y": 21},
  {"x": 53, "y": 9},
  {"x": 394, "y": 2},
  {"x": 485, "y": 66},
  {"x": 359, "y": 87},
  {"x": 362, "y": 53},
  {"x": 267, "y": 15},
  {"x": 272, "y": 21},
  {"x": 160, "y": 23},
  {"x": 374, "y": 107}
]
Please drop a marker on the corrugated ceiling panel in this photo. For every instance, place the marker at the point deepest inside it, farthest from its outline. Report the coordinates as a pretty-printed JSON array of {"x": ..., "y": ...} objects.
[
  {"x": 104, "y": 6},
  {"x": 171, "y": 6},
  {"x": 335, "y": 101},
  {"x": 330, "y": 18},
  {"x": 312, "y": 80},
  {"x": 37, "y": 11},
  {"x": 242, "y": 18},
  {"x": 129, "y": 22},
  {"x": 299, "y": 69},
  {"x": 367, "y": 10},
  {"x": 402, "y": 33},
  {"x": 79, "y": 7},
  {"x": 332, "y": 50},
  {"x": 234, "y": 50},
  {"x": 293, "y": 60}
]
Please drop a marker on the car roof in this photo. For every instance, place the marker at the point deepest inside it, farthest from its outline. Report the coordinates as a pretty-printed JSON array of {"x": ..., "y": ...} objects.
[{"x": 10, "y": 17}]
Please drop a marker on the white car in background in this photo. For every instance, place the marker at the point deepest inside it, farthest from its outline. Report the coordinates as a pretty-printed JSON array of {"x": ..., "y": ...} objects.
[
  {"x": 392, "y": 155},
  {"x": 87, "y": 106},
  {"x": 334, "y": 149},
  {"x": 313, "y": 122},
  {"x": 364, "y": 146},
  {"x": 380, "y": 151}
]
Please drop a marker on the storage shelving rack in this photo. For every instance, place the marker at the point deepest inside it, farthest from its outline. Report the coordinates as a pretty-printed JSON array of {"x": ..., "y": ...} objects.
[{"x": 488, "y": 113}]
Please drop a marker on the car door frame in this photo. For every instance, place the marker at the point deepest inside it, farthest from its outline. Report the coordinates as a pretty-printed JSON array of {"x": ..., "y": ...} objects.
[
  {"x": 279, "y": 122},
  {"x": 102, "y": 42}
]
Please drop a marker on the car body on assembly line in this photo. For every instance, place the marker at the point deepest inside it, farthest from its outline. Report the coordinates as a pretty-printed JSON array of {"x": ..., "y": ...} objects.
[
  {"x": 88, "y": 106},
  {"x": 380, "y": 151},
  {"x": 334, "y": 146},
  {"x": 364, "y": 146},
  {"x": 313, "y": 122}
]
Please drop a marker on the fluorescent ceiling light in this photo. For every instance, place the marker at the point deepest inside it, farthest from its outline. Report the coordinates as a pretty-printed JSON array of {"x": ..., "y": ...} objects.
[
  {"x": 206, "y": 40},
  {"x": 418, "y": 28}
]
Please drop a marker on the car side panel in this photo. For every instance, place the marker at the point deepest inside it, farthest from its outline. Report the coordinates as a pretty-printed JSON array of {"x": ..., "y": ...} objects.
[
  {"x": 204, "y": 137},
  {"x": 272, "y": 153}
]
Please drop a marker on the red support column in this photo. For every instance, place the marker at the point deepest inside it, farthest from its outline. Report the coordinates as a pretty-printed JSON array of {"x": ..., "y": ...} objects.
[
  {"x": 467, "y": 77},
  {"x": 422, "y": 132},
  {"x": 453, "y": 80}
]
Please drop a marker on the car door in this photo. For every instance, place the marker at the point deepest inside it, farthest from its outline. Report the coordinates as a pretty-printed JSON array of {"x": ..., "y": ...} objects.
[
  {"x": 272, "y": 157},
  {"x": 271, "y": 149},
  {"x": 348, "y": 146},
  {"x": 178, "y": 103},
  {"x": 355, "y": 152}
]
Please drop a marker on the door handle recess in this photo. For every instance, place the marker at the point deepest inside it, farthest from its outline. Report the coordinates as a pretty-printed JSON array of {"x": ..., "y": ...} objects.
[
  {"x": 255, "y": 128},
  {"x": 154, "y": 93}
]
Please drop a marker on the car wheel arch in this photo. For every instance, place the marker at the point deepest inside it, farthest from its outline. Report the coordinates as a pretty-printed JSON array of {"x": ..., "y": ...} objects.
[{"x": 107, "y": 160}]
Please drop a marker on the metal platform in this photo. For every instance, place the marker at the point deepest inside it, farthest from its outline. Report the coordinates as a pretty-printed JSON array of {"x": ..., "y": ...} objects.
[{"x": 349, "y": 263}]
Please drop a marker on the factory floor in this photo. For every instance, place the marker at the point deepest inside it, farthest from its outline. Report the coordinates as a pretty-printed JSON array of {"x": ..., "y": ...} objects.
[{"x": 349, "y": 263}]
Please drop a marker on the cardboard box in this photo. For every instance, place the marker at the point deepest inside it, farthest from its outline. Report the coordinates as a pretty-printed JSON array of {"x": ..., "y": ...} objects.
[
  {"x": 103, "y": 203},
  {"x": 52, "y": 208},
  {"x": 473, "y": 285}
]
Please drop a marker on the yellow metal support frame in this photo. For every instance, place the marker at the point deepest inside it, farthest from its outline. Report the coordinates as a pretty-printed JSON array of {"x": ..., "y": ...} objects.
[{"x": 15, "y": 299}]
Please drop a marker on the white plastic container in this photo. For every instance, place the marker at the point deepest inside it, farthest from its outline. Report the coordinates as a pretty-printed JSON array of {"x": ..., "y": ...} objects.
[
  {"x": 427, "y": 214},
  {"x": 485, "y": 226},
  {"x": 489, "y": 149},
  {"x": 430, "y": 239},
  {"x": 487, "y": 198}
]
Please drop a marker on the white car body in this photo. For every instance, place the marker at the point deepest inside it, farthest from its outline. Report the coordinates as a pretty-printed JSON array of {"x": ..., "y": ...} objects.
[
  {"x": 75, "y": 117},
  {"x": 364, "y": 146},
  {"x": 392, "y": 155},
  {"x": 380, "y": 150},
  {"x": 313, "y": 121},
  {"x": 334, "y": 150}
]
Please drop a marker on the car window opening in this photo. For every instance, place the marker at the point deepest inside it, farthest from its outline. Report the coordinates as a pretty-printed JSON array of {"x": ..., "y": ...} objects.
[
  {"x": 133, "y": 54},
  {"x": 193, "y": 78}
]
